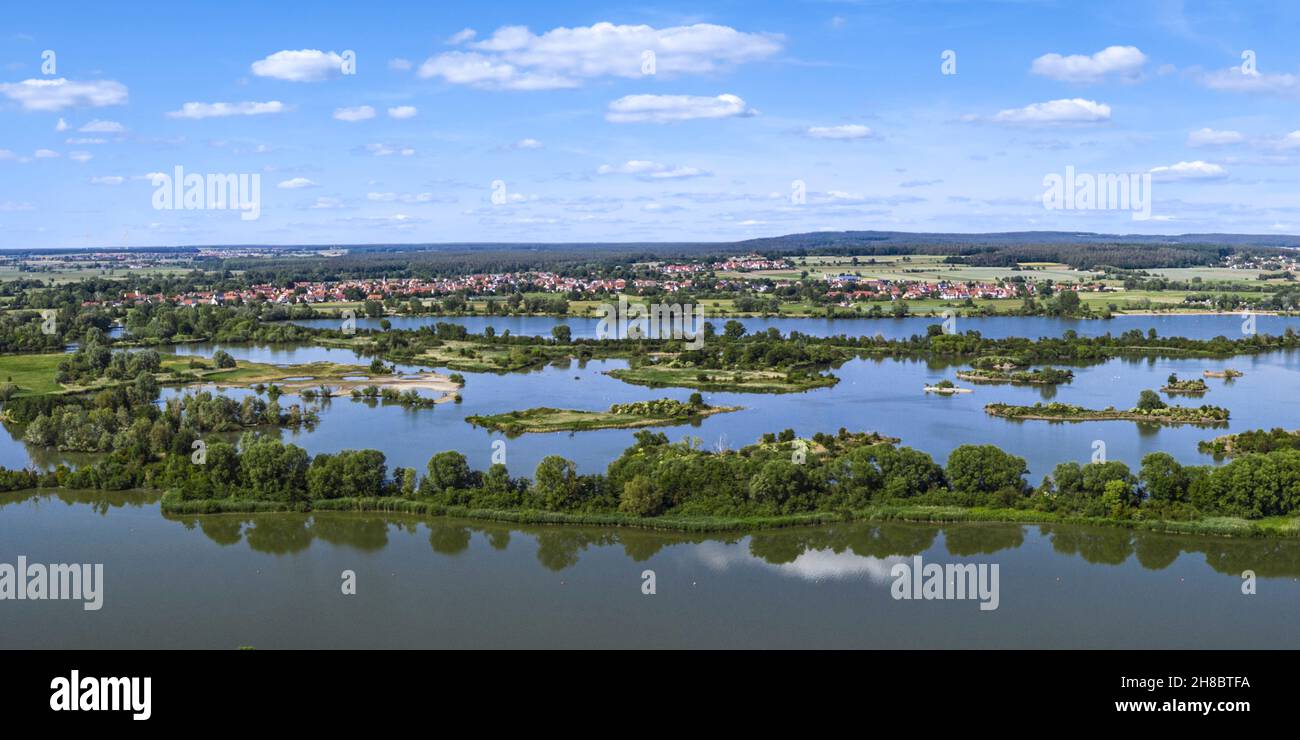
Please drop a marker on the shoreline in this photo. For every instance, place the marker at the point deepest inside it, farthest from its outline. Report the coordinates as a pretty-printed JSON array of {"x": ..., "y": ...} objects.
[{"x": 920, "y": 514}]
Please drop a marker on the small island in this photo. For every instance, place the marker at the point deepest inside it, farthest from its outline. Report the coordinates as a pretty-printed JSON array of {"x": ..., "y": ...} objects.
[
  {"x": 945, "y": 388},
  {"x": 659, "y": 412},
  {"x": 1041, "y": 376},
  {"x": 1149, "y": 409},
  {"x": 1255, "y": 441},
  {"x": 725, "y": 381},
  {"x": 1226, "y": 373},
  {"x": 1194, "y": 387}
]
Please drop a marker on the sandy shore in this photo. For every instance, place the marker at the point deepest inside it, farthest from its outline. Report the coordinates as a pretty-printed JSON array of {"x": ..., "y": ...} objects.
[{"x": 341, "y": 388}]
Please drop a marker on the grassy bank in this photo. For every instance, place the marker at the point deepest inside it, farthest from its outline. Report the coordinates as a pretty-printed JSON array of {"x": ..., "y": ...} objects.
[
  {"x": 543, "y": 419},
  {"x": 1203, "y": 416},
  {"x": 1208, "y": 526},
  {"x": 724, "y": 381}
]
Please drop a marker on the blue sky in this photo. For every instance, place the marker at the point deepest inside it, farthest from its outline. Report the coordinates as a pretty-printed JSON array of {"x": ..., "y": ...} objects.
[{"x": 552, "y": 108}]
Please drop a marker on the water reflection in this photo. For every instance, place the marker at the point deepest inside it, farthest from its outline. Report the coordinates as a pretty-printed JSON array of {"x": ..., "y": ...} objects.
[{"x": 835, "y": 552}]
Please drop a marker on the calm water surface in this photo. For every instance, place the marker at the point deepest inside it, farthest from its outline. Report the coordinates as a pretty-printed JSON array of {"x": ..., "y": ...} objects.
[
  {"x": 273, "y": 581},
  {"x": 882, "y": 395},
  {"x": 997, "y": 327}
]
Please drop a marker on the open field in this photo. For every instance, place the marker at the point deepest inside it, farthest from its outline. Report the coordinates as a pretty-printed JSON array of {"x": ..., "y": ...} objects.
[
  {"x": 928, "y": 268},
  {"x": 34, "y": 375}
]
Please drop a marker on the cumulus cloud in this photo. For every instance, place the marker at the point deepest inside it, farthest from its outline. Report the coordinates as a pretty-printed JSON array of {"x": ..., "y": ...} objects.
[
  {"x": 515, "y": 58},
  {"x": 196, "y": 111},
  {"x": 304, "y": 65},
  {"x": 359, "y": 113},
  {"x": 1121, "y": 61},
  {"x": 528, "y": 144},
  {"x": 460, "y": 37},
  {"x": 80, "y": 156},
  {"x": 1055, "y": 112},
  {"x": 402, "y": 112},
  {"x": 1211, "y": 137},
  {"x": 651, "y": 170},
  {"x": 57, "y": 94},
  {"x": 296, "y": 183},
  {"x": 480, "y": 70},
  {"x": 671, "y": 108},
  {"x": 102, "y": 127},
  {"x": 841, "y": 133},
  {"x": 1197, "y": 170}
]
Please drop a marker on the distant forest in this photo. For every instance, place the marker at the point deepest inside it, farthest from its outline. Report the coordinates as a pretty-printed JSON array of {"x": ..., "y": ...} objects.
[{"x": 1079, "y": 250}]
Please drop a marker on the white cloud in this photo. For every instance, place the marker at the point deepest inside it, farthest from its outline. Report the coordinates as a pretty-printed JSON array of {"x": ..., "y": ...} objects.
[
  {"x": 326, "y": 203},
  {"x": 1234, "y": 79},
  {"x": 670, "y": 108},
  {"x": 1290, "y": 141},
  {"x": 102, "y": 127},
  {"x": 847, "y": 132},
  {"x": 1124, "y": 61},
  {"x": 197, "y": 111},
  {"x": 460, "y": 37},
  {"x": 528, "y": 144},
  {"x": 651, "y": 170},
  {"x": 304, "y": 65},
  {"x": 409, "y": 198},
  {"x": 108, "y": 180},
  {"x": 402, "y": 112},
  {"x": 62, "y": 125},
  {"x": 84, "y": 141},
  {"x": 1197, "y": 170},
  {"x": 351, "y": 115},
  {"x": 384, "y": 150},
  {"x": 399, "y": 64},
  {"x": 1211, "y": 137},
  {"x": 57, "y": 94},
  {"x": 479, "y": 70},
  {"x": 1053, "y": 112},
  {"x": 45, "y": 154},
  {"x": 82, "y": 157},
  {"x": 515, "y": 58},
  {"x": 296, "y": 183}
]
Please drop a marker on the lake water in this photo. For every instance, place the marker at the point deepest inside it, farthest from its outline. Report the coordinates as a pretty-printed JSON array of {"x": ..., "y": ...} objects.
[
  {"x": 882, "y": 395},
  {"x": 997, "y": 327},
  {"x": 274, "y": 581}
]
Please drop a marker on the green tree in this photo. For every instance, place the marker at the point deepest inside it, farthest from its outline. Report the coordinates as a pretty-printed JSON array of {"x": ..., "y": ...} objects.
[
  {"x": 1149, "y": 400},
  {"x": 985, "y": 469}
]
